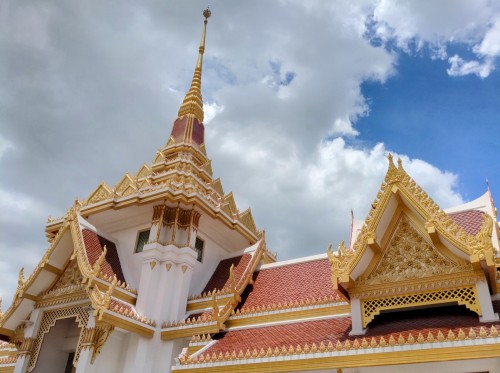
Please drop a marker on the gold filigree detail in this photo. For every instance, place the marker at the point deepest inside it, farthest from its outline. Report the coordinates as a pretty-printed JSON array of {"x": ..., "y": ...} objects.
[
  {"x": 102, "y": 192},
  {"x": 397, "y": 181},
  {"x": 124, "y": 184},
  {"x": 49, "y": 319},
  {"x": 144, "y": 171},
  {"x": 99, "y": 336},
  {"x": 217, "y": 186},
  {"x": 70, "y": 277},
  {"x": 466, "y": 296},
  {"x": 246, "y": 219},
  {"x": 97, "y": 265},
  {"x": 339, "y": 260},
  {"x": 21, "y": 282},
  {"x": 409, "y": 256},
  {"x": 343, "y": 346}
]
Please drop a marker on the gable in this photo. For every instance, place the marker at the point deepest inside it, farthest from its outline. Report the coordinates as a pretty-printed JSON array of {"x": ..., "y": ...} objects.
[
  {"x": 409, "y": 255},
  {"x": 70, "y": 277}
]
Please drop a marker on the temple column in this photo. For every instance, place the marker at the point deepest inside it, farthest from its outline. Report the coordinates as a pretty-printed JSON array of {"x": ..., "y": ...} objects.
[
  {"x": 356, "y": 317},
  {"x": 488, "y": 314},
  {"x": 25, "y": 347}
]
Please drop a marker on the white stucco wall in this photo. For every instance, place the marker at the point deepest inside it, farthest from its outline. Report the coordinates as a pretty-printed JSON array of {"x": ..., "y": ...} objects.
[{"x": 112, "y": 356}]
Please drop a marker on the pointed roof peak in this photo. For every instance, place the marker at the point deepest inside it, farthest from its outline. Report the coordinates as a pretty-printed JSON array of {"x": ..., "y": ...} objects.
[{"x": 193, "y": 102}]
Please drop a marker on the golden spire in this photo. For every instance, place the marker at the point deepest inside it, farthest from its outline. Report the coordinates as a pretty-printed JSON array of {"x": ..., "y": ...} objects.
[{"x": 193, "y": 102}]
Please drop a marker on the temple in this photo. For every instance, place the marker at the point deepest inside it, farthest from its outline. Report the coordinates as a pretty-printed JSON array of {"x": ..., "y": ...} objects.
[{"x": 163, "y": 273}]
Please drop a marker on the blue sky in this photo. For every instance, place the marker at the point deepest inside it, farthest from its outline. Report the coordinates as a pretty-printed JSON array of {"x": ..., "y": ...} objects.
[
  {"x": 303, "y": 101},
  {"x": 451, "y": 122}
]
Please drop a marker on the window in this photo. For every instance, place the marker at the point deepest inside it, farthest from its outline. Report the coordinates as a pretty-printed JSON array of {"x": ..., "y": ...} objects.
[
  {"x": 199, "y": 248},
  {"x": 142, "y": 239}
]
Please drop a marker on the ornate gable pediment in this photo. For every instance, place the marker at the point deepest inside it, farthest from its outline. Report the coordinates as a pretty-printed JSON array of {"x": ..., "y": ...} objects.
[
  {"x": 409, "y": 256},
  {"x": 70, "y": 277}
]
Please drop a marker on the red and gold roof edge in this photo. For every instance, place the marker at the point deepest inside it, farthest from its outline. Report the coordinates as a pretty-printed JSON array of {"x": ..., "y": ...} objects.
[{"x": 443, "y": 341}]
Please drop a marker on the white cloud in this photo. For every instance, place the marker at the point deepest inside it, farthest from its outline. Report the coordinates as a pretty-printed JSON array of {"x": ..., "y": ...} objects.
[
  {"x": 211, "y": 110},
  {"x": 474, "y": 25},
  {"x": 490, "y": 45},
  {"x": 459, "y": 67}
]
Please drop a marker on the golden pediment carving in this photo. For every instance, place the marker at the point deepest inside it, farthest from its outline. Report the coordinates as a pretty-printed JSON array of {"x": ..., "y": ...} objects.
[
  {"x": 158, "y": 158},
  {"x": 70, "y": 277},
  {"x": 144, "y": 171},
  {"x": 217, "y": 185},
  {"x": 124, "y": 183},
  {"x": 246, "y": 219},
  {"x": 409, "y": 256},
  {"x": 208, "y": 167},
  {"x": 101, "y": 193}
]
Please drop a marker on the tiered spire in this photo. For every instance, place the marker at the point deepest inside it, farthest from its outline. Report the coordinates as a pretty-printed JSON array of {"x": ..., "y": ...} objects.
[{"x": 193, "y": 102}]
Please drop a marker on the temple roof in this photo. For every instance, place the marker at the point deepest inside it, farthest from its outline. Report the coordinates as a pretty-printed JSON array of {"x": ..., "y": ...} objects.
[
  {"x": 94, "y": 247},
  {"x": 220, "y": 279},
  {"x": 322, "y": 338},
  {"x": 289, "y": 283},
  {"x": 432, "y": 320},
  {"x": 470, "y": 221}
]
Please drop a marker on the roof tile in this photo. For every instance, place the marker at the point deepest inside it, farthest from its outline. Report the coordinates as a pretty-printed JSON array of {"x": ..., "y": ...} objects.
[
  {"x": 290, "y": 283},
  {"x": 220, "y": 278},
  {"x": 471, "y": 221},
  {"x": 433, "y": 320},
  {"x": 94, "y": 246}
]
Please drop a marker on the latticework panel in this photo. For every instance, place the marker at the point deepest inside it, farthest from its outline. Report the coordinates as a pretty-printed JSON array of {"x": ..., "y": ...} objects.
[
  {"x": 49, "y": 319},
  {"x": 466, "y": 296}
]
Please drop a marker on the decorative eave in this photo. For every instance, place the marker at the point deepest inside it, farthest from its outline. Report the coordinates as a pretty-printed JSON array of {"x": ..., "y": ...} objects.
[
  {"x": 277, "y": 313},
  {"x": 360, "y": 352},
  {"x": 243, "y": 223},
  {"x": 399, "y": 187}
]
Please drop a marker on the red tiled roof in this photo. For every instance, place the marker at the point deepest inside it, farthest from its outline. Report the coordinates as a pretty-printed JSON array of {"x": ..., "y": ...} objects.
[
  {"x": 220, "y": 278},
  {"x": 281, "y": 335},
  {"x": 433, "y": 320},
  {"x": 116, "y": 305},
  {"x": 290, "y": 283},
  {"x": 471, "y": 221},
  {"x": 94, "y": 246}
]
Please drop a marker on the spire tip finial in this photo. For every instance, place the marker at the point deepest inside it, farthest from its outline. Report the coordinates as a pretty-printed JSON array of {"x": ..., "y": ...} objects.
[{"x": 207, "y": 13}]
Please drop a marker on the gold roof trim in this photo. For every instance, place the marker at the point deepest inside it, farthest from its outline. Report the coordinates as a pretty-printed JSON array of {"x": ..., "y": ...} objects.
[
  {"x": 398, "y": 182},
  {"x": 352, "y": 356}
]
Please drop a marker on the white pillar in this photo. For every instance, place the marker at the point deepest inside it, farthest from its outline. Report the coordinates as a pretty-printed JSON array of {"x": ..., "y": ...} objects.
[
  {"x": 356, "y": 318},
  {"x": 485, "y": 302},
  {"x": 30, "y": 331}
]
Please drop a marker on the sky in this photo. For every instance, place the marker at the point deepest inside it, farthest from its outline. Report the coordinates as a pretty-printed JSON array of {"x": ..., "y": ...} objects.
[{"x": 303, "y": 102}]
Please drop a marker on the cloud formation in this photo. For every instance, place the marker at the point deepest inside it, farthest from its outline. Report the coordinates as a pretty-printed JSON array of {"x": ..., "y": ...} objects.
[{"x": 88, "y": 91}]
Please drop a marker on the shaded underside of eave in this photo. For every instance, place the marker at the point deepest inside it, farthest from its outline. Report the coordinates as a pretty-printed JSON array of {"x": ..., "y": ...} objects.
[{"x": 172, "y": 197}]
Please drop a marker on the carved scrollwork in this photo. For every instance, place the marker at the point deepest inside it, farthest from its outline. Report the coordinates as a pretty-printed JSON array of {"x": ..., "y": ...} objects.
[{"x": 409, "y": 256}]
